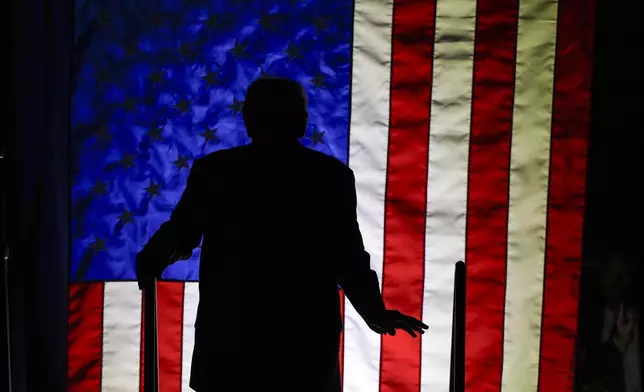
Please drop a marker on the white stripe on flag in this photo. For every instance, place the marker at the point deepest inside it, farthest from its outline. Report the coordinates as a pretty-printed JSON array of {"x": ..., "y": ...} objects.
[
  {"x": 368, "y": 158},
  {"x": 121, "y": 337},
  {"x": 190, "y": 302},
  {"x": 529, "y": 169},
  {"x": 449, "y": 132}
]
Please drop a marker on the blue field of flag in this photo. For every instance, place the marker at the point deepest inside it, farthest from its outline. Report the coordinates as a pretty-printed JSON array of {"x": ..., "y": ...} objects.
[{"x": 161, "y": 83}]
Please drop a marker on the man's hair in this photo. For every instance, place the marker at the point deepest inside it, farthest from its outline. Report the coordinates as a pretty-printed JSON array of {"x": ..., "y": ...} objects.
[{"x": 275, "y": 108}]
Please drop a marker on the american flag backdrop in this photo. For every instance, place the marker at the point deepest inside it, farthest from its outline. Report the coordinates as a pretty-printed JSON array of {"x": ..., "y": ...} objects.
[{"x": 464, "y": 121}]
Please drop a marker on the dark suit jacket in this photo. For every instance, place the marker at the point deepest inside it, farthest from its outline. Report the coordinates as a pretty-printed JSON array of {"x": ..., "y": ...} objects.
[{"x": 279, "y": 235}]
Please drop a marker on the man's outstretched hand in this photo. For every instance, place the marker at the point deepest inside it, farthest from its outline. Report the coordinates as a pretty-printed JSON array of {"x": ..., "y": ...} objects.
[
  {"x": 391, "y": 320},
  {"x": 146, "y": 271},
  {"x": 148, "y": 268}
]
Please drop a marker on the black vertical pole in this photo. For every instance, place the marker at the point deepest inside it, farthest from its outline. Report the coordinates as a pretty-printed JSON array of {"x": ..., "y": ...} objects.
[
  {"x": 5, "y": 373},
  {"x": 457, "y": 364},
  {"x": 150, "y": 342}
]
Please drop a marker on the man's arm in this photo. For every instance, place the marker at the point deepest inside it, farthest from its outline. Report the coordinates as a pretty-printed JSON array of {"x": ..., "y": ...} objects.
[
  {"x": 181, "y": 234},
  {"x": 358, "y": 281}
]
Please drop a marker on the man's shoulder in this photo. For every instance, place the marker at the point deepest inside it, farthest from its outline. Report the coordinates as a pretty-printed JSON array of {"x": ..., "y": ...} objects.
[
  {"x": 309, "y": 158},
  {"x": 219, "y": 156},
  {"x": 327, "y": 162}
]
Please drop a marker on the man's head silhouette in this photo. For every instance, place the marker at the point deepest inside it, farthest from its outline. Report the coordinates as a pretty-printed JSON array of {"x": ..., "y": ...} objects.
[{"x": 275, "y": 110}]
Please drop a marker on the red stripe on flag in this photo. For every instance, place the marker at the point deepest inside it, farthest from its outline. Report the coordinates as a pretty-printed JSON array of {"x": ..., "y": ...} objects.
[
  {"x": 487, "y": 206},
  {"x": 170, "y": 314},
  {"x": 85, "y": 337},
  {"x": 404, "y": 253},
  {"x": 571, "y": 117}
]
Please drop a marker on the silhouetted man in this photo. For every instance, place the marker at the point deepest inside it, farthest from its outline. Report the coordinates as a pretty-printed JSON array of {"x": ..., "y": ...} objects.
[{"x": 280, "y": 234}]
